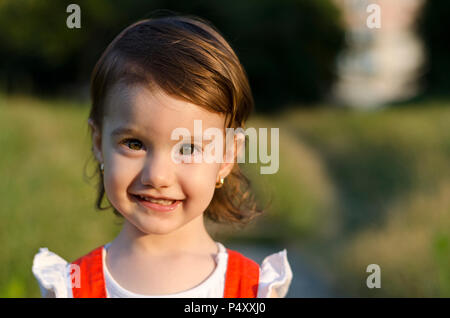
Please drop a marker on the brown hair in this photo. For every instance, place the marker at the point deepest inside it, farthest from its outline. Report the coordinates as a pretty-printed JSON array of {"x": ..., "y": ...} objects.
[{"x": 187, "y": 58}]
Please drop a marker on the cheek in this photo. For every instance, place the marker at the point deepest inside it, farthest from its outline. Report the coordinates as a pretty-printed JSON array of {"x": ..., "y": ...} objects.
[
  {"x": 119, "y": 175},
  {"x": 199, "y": 184}
]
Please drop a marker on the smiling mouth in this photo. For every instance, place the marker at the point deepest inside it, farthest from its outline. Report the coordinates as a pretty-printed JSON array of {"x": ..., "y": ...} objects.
[
  {"x": 156, "y": 201},
  {"x": 156, "y": 204}
]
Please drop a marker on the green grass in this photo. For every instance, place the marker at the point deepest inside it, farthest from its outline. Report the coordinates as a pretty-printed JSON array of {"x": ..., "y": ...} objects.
[{"x": 353, "y": 188}]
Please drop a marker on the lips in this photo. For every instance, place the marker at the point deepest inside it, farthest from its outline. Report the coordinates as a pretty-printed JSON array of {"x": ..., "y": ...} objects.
[
  {"x": 155, "y": 200},
  {"x": 156, "y": 206},
  {"x": 156, "y": 197}
]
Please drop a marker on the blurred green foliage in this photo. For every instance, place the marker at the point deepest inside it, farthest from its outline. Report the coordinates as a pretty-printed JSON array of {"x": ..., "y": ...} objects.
[
  {"x": 390, "y": 170},
  {"x": 45, "y": 200},
  {"x": 287, "y": 47},
  {"x": 442, "y": 256}
]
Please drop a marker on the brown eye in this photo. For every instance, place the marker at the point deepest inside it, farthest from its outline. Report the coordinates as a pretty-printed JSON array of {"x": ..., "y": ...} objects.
[
  {"x": 133, "y": 144},
  {"x": 187, "y": 149}
]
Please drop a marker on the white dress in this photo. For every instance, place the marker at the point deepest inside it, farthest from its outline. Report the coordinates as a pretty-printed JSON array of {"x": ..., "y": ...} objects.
[{"x": 53, "y": 275}]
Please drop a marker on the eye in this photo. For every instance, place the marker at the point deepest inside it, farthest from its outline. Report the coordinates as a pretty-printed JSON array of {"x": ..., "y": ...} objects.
[
  {"x": 133, "y": 144},
  {"x": 188, "y": 149}
]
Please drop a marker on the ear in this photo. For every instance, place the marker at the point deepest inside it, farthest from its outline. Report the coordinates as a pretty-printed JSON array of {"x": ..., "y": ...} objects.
[
  {"x": 96, "y": 140},
  {"x": 236, "y": 146}
]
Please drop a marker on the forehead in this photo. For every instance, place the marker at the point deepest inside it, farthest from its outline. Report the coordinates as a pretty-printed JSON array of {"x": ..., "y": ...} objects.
[{"x": 154, "y": 112}]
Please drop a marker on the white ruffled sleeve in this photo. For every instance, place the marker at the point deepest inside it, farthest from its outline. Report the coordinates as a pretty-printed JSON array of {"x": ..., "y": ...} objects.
[
  {"x": 51, "y": 273},
  {"x": 275, "y": 273}
]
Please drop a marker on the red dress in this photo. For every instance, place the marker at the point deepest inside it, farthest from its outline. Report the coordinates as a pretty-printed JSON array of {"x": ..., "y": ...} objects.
[{"x": 241, "y": 280}]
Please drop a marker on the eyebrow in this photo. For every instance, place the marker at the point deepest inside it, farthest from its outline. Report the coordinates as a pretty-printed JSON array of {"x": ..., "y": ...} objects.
[
  {"x": 130, "y": 131},
  {"x": 123, "y": 131}
]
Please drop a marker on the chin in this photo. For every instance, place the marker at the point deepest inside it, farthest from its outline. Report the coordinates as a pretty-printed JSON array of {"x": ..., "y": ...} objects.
[
  {"x": 155, "y": 226},
  {"x": 156, "y": 232}
]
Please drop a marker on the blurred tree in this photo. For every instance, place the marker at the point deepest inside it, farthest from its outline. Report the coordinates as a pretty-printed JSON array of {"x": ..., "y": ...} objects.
[
  {"x": 434, "y": 25},
  {"x": 288, "y": 47}
]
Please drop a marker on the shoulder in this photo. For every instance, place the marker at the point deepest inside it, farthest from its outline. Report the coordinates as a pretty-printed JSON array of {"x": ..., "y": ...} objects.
[
  {"x": 275, "y": 274},
  {"x": 50, "y": 271}
]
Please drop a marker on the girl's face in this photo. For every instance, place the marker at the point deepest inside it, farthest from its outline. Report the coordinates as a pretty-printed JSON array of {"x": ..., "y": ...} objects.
[{"x": 139, "y": 161}]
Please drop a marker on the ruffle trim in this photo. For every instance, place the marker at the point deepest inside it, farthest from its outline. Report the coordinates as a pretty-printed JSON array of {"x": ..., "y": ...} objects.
[
  {"x": 275, "y": 274},
  {"x": 51, "y": 273}
]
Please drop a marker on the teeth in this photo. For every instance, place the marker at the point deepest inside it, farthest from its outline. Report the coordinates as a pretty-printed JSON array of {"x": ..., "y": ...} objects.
[{"x": 158, "y": 201}]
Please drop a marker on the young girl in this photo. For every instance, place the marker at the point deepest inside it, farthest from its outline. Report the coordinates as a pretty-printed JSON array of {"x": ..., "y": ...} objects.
[{"x": 159, "y": 75}]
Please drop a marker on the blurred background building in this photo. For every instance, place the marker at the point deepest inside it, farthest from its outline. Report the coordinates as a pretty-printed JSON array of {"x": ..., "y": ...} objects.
[{"x": 379, "y": 65}]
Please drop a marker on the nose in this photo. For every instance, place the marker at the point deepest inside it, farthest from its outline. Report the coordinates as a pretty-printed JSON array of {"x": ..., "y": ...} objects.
[{"x": 158, "y": 171}]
